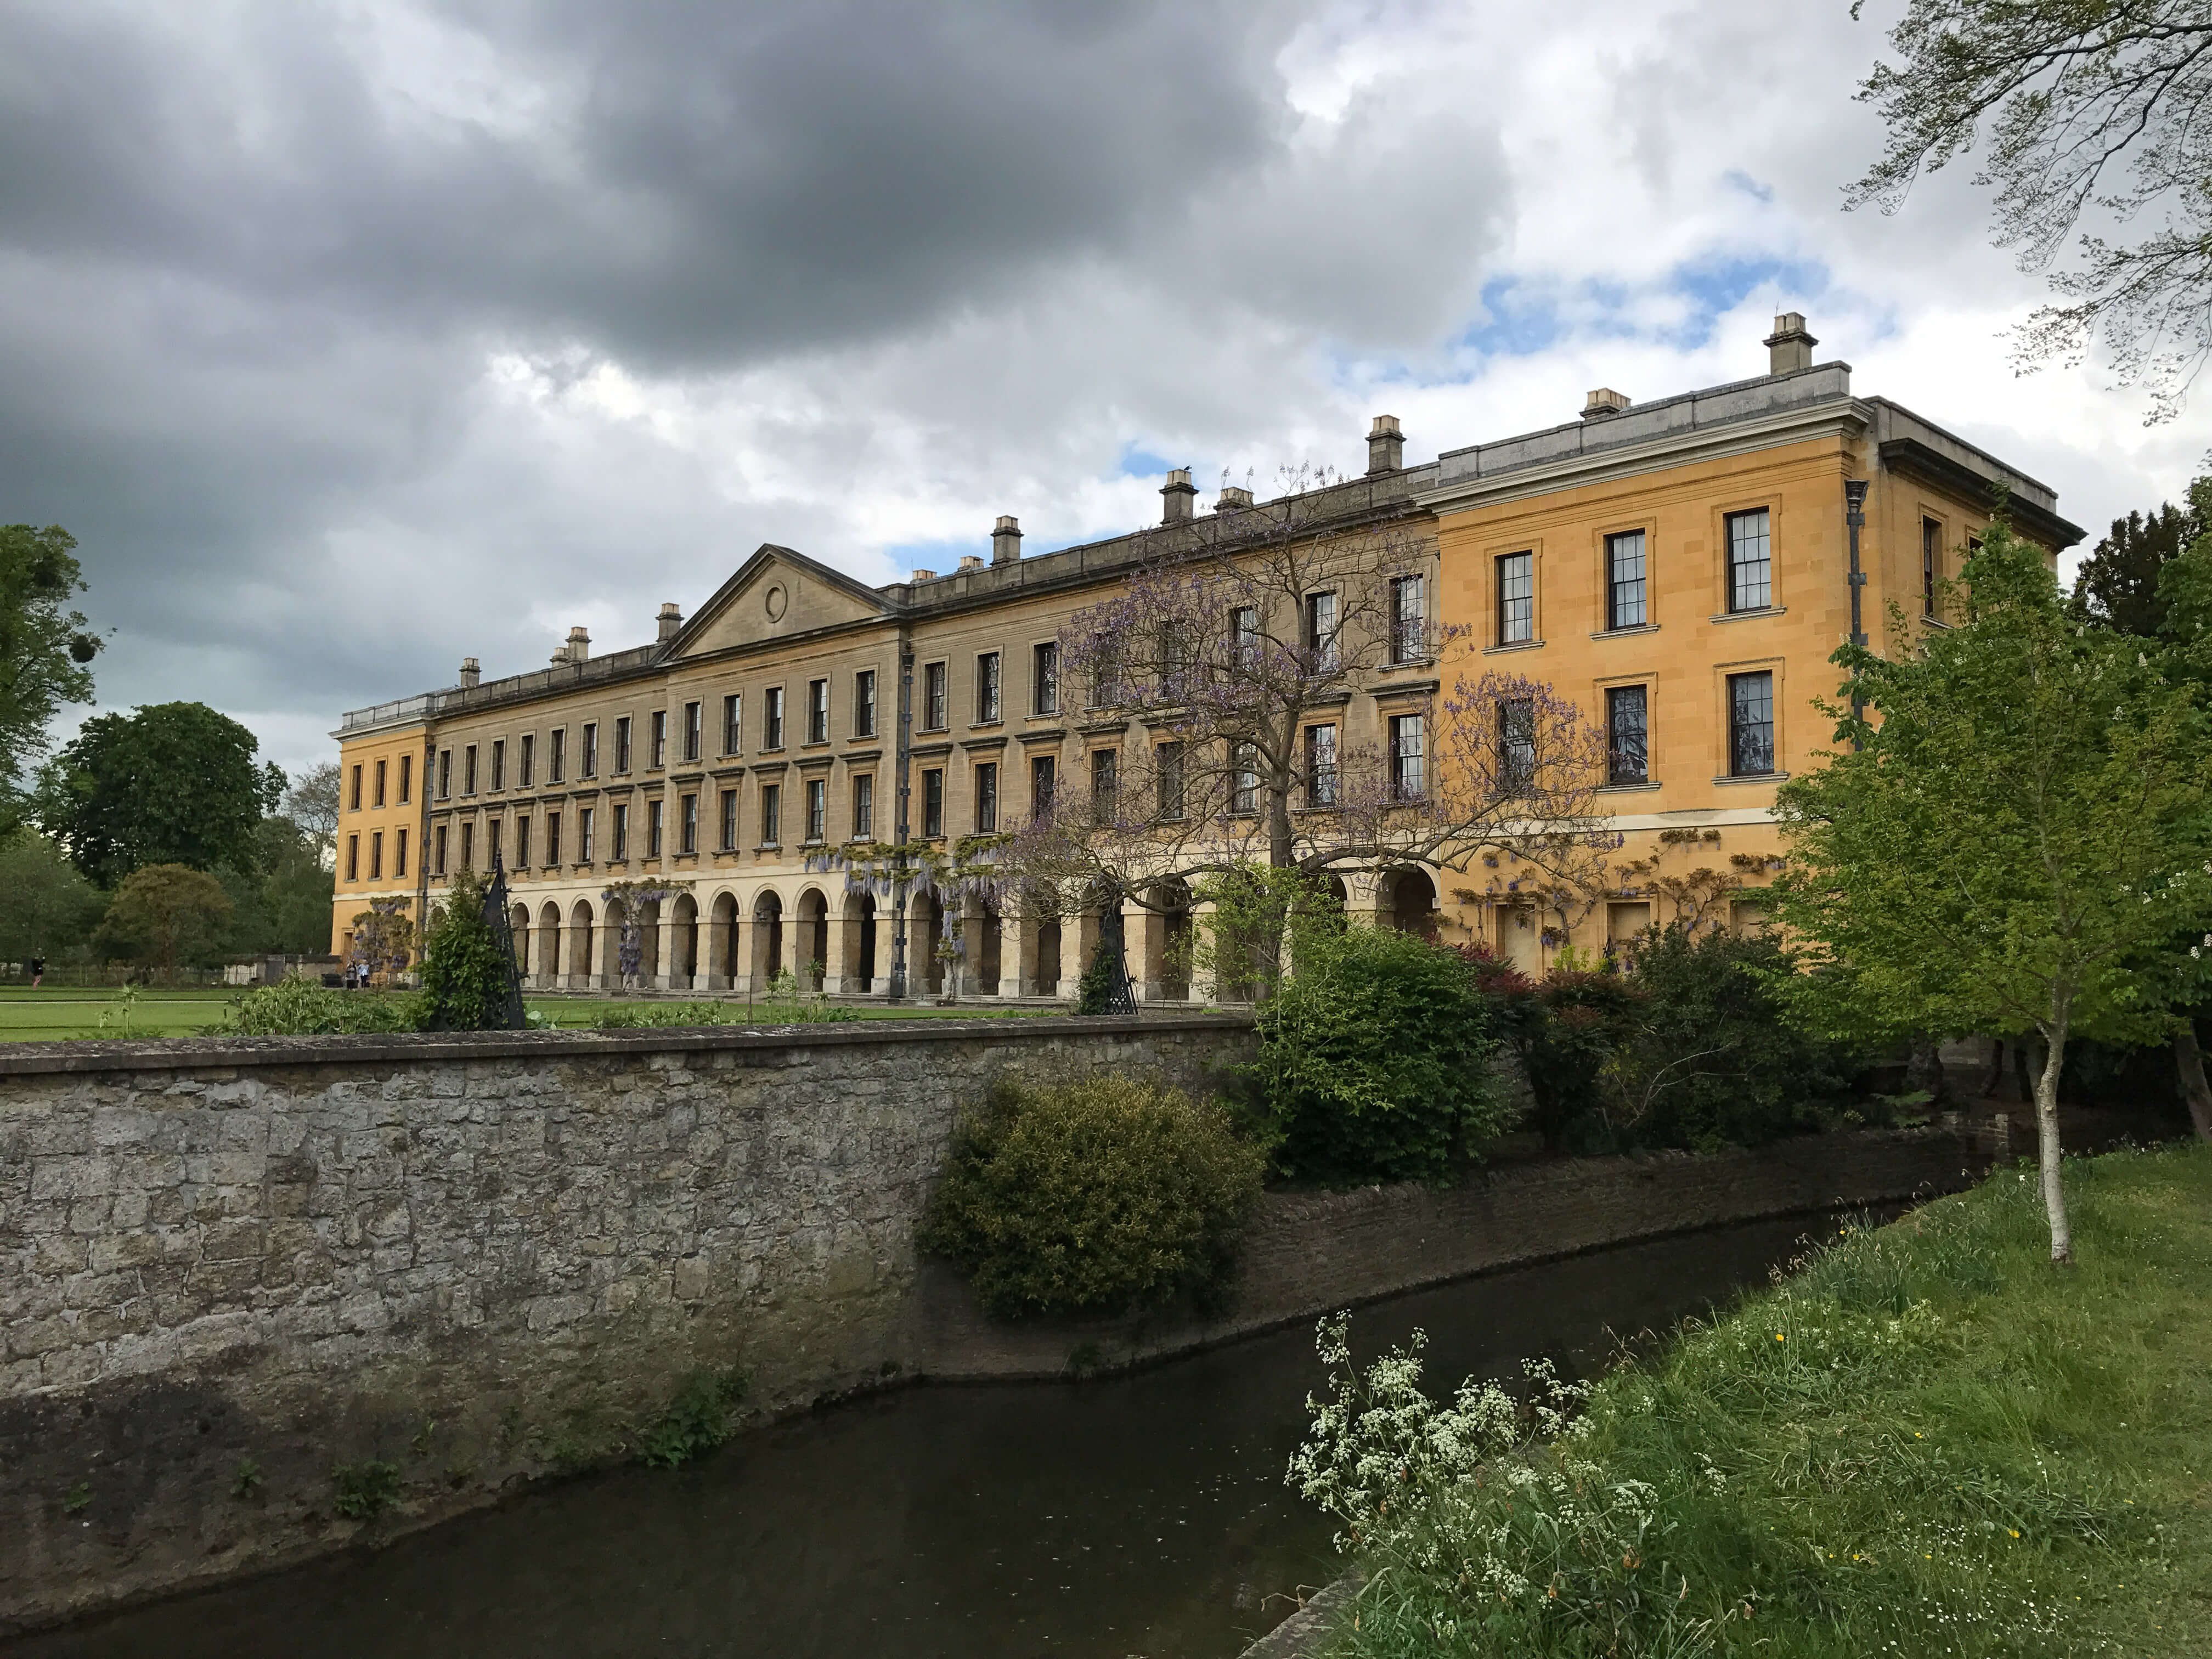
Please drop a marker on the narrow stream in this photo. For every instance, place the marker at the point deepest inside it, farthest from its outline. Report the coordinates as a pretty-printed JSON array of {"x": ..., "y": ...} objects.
[{"x": 1138, "y": 1516}]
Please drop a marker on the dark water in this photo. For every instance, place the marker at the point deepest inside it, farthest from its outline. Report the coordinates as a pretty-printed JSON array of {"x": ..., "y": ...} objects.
[{"x": 1140, "y": 1515}]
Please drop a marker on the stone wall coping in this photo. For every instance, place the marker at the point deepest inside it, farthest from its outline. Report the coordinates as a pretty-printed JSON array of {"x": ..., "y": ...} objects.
[{"x": 235, "y": 1053}]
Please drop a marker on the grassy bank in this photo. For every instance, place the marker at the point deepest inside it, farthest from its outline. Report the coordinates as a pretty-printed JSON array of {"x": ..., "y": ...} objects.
[
  {"x": 52, "y": 1014},
  {"x": 1930, "y": 1441}
]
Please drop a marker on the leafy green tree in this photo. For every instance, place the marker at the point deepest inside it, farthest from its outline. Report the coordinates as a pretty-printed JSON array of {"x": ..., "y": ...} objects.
[
  {"x": 467, "y": 974},
  {"x": 2018, "y": 836},
  {"x": 2117, "y": 586},
  {"x": 172, "y": 783},
  {"x": 2076, "y": 106},
  {"x": 284, "y": 903},
  {"x": 47, "y": 908},
  {"x": 164, "y": 915},
  {"x": 43, "y": 649}
]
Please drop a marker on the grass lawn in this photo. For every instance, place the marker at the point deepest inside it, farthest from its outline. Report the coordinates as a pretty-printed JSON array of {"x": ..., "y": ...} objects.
[
  {"x": 54, "y": 1013},
  {"x": 1930, "y": 1441}
]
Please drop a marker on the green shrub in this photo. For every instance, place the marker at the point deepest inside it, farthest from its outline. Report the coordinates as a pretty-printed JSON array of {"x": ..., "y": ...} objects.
[
  {"x": 1374, "y": 1059},
  {"x": 702, "y": 1417},
  {"x": 1093, "y": 1197},
  {"x": 784, "y": 1005},
  {"x": 1094, "y": 992},
  {"x": 469, "y": 979},
  {"x": 362, "y": 1492},
  {"x": 1714, "y": 1062},
  {"x": 301, "y": 1008},
  {"x": 1579, "y": 1024}
]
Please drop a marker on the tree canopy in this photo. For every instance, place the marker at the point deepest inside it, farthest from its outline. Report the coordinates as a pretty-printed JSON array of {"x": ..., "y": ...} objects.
[
  {"x": 47, "y": 909},
  {"x": 2080, "y": 108},
  {"x": 172, "y": 783},
  {"x": 164, "y": 915},
  {"x": 2117, "y": 584},
  {"x": 45, "y": 648},
  {"x": 2017, "y": 837}
]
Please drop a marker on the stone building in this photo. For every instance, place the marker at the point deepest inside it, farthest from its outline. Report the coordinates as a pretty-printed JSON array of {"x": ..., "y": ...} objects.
[{"x": 1681, "y": 568}]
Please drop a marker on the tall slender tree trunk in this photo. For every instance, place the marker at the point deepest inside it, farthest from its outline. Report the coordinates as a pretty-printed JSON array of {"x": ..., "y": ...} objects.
[
  {"x": 2189, "y": 1061},
  {"x": 2046, "y": 1135}
]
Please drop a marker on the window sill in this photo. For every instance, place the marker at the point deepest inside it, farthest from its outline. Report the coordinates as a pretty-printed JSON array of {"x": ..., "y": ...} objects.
[
  {"x": 1616, "y": 633},
  {"x": 1757, "y": 777},
  {"x": 1626, "y": 788},
  {"x": 1517, "y": 645},
  {"x": 985, "y": 725},
  {"x": 768, "y": 847},
  {"x": 1746, "y": 616}
]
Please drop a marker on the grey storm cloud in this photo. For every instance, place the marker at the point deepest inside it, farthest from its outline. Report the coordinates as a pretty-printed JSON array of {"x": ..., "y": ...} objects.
[
  {"x": 676, "y": 183},
  {"x": 351, "y": 337},
  {"x": 253, "y": 260}
]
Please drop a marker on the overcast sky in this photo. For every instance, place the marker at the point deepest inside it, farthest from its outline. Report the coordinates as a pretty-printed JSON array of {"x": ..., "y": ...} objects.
[{"x": 353, "y": 338}]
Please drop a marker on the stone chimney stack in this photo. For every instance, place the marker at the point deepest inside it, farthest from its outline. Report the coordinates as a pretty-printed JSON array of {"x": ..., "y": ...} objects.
[
  {"x": 1789, "y": 348},
  {"x": 1604, "y": 403},
  {"x": 580, "y": 643},
  {"x": 470, "y": 673},
  {"x": 1386, "y": 446},
  {"x": 671, "y": 621},
  {"x": 1006, "y": 540},
  {"x": 970, "y": 562},
  {"x": 1177, "y": 496},
  {"x": 1233, "y": 499}
]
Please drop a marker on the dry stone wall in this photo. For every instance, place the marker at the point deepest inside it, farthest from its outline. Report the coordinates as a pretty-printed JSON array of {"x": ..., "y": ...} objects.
[
  {"x": 230, "y": 1270},
  {"x": 239, "y": 1279}
]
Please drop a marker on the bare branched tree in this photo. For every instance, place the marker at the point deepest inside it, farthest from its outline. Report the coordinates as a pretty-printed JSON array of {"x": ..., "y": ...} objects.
[
  {"x": 1226, "y": 669},
  {"x": 2082, "y": 108},
  {"x": 311, "y": 802}
]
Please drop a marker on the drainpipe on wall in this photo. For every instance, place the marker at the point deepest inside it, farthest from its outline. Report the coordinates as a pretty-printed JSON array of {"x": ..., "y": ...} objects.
[
  {"x": 898, "y": 991},
  {"x": 1855, "y": 494},
  {"x": 423, "y": 840}
]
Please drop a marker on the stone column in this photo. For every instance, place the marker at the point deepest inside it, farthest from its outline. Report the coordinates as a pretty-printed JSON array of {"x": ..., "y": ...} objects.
[
  {"x": 833, "y": 947},
  {"x": 1017, "y": 950},
  {"x": 1144, "y": 935},
  {"x": 1203, "y": 945},
  {"x": 664, "y": 947},
  {"x": 1079, "y": 939},
  {"x": 713, "y": 946}
]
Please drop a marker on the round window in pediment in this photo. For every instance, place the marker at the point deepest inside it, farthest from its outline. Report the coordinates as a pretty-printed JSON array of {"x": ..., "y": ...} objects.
[{"x": 778, "y": 601}]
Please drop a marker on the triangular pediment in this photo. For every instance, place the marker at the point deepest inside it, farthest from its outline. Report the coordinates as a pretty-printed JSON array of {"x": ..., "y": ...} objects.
[{"x": 775, "y": 593}]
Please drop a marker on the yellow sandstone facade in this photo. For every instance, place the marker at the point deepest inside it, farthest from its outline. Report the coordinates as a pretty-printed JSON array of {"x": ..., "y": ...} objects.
[
  {"x": 1680, "y": 569},
  {"x": 1683, "y": 571}
]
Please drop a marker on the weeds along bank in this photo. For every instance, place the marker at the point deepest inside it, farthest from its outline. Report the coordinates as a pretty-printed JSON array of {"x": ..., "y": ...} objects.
[
  {"x": 1929, "y": 1442},
  {"x": 261, "y": 1297}
]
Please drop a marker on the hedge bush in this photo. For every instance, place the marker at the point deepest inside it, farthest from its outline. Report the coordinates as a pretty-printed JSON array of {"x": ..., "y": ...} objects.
[
  {"x": 1714, "y": 1060},
  {"x": 468, "y": 978},
  {"x": 1692, "y": 1049},
  {"x": 1375, "y": 1060},
  {"x": 302, "y": 1007},
  {"x": 1093, "y": 1197}
]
